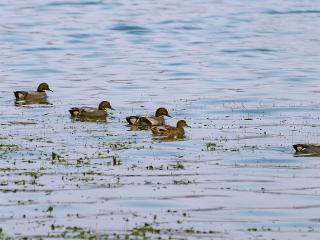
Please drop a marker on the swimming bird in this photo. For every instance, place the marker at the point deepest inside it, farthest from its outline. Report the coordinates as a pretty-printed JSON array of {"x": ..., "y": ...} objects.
[
  {"x": 33, "y": 96},
  {"x": 156, "y": 120},
  {"x": 307, "y": 148},
  {"x": 91, "y": 113},
  {"x": 170, "y": 131}
]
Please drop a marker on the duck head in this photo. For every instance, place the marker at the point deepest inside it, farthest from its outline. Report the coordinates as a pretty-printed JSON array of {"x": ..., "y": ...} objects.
[
  {"x": 162, "y": 112},
  {"x": 43, "y": 87},
  {"x": 104, "y": 105},
  {"x": 182, "y": 124}
]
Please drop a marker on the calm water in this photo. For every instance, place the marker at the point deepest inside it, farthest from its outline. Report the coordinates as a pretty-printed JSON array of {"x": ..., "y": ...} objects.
[{"x": 245, "y": 76}]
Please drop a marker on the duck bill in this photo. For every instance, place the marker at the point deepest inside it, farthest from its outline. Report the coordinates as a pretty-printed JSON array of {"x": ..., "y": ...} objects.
[
  {"x": 111, "y": 108},
  {"x": 169, "y": 116},
  {"x": 188, "y": 126},
  {"x": 50, "y": 90}
]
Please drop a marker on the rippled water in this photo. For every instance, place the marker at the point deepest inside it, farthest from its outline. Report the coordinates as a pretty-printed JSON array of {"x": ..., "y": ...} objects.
[{"x": 244, "y": 74}]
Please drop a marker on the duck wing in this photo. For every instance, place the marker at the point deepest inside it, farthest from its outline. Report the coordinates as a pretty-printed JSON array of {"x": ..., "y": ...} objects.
[
  {"x": 88, "y": 109},
  {"x": 145, "y": 121},
  {"x": 78, "y": 111},
  {"x": 159, "y": 130},
  {"x": 150, "y": 121}
]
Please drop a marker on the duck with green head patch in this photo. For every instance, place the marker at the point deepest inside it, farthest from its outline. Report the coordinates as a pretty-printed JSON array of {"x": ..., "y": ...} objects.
[
  {"x": 170, "y": 131},
  {"x": 91, "y": 113},
  {"x": 156, "y": 120},
  {"x": 33, "y": 96},
  {"x": 307, "y": 148}
]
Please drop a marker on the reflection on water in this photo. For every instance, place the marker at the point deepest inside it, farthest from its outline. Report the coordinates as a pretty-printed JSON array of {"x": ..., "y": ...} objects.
[
  {"x": 243, "y": 74},
  {"x": 32, "y": 102},
  {"x": 167, "y": 138}
]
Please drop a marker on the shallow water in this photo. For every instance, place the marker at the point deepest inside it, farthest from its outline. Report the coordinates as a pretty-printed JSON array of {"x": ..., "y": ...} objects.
[{"x": 244, "y": 74}]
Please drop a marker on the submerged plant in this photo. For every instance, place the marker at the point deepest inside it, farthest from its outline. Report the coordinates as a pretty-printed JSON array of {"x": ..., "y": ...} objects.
[{"x": 211, "y": 146}]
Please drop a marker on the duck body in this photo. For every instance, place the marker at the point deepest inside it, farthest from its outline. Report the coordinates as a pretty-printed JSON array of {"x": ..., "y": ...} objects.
[
  {"x": 145, "y": 121},
  {"x": 307, "y": 148},
  {"x": 91, "y": 113},
  {"x": 30, "y": 96},
  {"x": 87, "y": 112},
  {"x": 33, "y": 96},
  {"x": 156, "y": 120},
  {"x": 170, "y": 131}
]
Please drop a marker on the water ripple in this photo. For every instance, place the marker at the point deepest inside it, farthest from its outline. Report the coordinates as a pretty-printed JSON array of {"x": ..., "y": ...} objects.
[
  {"x": 243, "y": 74},
  {"x": 275, "y": 12},
  {"x": 74, "y": 3},
  {"x": 130, "y": 29}
]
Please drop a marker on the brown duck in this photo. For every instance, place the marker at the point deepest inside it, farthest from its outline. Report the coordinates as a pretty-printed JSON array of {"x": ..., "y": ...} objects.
[
  {"x": 91, "y": 113},
  {"x": 170, "y": 131},
  {"x": 33, "y": 96},
  {"x": 156, "y": 120},
  {"x": 307, "y": 148}
]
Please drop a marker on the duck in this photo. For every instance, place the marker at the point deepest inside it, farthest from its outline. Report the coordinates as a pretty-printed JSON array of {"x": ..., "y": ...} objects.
[
  {"x": 156, "y": 120},
  {"x": 170, "y": 131},
  {"x": 91, "y": 113},
  {"x": 307, "y": 148},
  {"x": 33, "y": 96}
]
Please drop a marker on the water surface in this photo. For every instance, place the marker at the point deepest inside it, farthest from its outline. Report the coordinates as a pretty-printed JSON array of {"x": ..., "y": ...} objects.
[{"x": 244, "y": 74}]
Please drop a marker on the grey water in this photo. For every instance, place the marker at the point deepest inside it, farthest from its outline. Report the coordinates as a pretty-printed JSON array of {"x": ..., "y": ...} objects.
[{"x": 244, "y": 75}]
